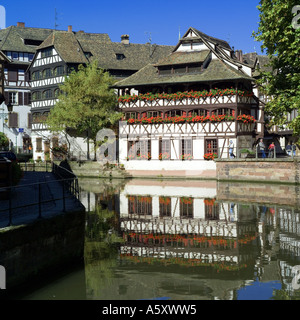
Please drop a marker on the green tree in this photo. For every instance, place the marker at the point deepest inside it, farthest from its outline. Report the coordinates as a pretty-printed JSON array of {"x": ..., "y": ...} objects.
[
  {"x": 4, "y": 141},
  {"x": 87, "y": 103},
  {"x": 281, "y": 42}
]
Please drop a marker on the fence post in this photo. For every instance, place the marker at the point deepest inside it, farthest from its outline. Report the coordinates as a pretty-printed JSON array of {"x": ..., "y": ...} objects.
[
  {"x": 64, "y": 200},
  {"x": 40, "y": 202},
  {"x": 10, "y": 208},
  {"x": 274, "y": 152}
]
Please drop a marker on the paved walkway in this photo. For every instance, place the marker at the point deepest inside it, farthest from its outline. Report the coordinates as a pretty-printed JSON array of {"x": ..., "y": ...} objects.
[{"x": 25, "y": 199}]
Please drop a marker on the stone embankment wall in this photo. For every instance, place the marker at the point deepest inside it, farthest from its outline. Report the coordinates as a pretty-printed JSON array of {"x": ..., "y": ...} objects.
[
  {"x": 273, "y": 170},
  {"x": 43, "y": 247},
  {"x": 260, "y": 193}
]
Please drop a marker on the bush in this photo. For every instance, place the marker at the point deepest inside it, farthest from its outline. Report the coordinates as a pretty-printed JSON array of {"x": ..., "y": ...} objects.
[{"x": 17, "y": 173}]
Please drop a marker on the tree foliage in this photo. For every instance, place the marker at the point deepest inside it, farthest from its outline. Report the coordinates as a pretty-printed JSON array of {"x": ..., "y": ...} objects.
[
  {"x": 281, "y": 42},
  {"x": 4, "y": 141},
  {"x": 87, "y": 102}
]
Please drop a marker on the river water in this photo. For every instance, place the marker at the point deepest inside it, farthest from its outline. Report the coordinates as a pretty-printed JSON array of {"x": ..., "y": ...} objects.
[{"x": 184, "y": 240}]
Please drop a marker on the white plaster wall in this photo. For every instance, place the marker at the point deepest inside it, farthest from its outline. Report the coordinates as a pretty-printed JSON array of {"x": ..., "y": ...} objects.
[
  {"x": 169, "y": 165},
  {"x": 13, "y": 133}
]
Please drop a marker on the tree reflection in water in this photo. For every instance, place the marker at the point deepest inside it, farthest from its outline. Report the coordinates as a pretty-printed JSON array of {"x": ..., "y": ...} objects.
[{"x": 191, "y": 241}]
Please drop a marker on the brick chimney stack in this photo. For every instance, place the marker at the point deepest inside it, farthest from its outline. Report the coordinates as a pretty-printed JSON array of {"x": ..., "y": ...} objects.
[
  {"x": 125, "y": 39},
  {"x": 21, "y": 24},
  {"x": 70, "y": 29}
]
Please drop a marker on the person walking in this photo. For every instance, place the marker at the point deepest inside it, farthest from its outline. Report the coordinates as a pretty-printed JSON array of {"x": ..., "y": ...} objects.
[
  {"x": 231, "y": 147},
  {"x": 262, "y": 148},
  {"x": 288, "y": 149},
  {"x": 271, "y": 150}
]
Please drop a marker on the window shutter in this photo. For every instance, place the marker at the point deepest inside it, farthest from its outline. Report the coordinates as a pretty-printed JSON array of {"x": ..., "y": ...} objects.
[
  {"x": 27, "y": 98},
  {"x": 13, "y": 76},
  {"x": 29, "y": 120},
  {"x": 13, "y": 120},
  {"x": 6, "y": 96},
  {"x": 20, "y": 102}
]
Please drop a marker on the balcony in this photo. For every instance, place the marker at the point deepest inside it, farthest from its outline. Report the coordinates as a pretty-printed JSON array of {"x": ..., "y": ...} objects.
[
  {"x": 195, "y": 126},
  {"x": 192, "y": 99}
]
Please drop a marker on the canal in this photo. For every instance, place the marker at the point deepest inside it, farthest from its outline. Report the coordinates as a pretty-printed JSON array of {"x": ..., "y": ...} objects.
[{"x": 183, "y": 240}]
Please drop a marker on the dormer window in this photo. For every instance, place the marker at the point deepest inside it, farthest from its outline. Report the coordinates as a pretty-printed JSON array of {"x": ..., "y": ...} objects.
[
  {"x": 31, "y": 42},
  {"x": 120, "y": 56},
  {"x": 88, "y": 55},
  {"x": 47, "y": 52}
]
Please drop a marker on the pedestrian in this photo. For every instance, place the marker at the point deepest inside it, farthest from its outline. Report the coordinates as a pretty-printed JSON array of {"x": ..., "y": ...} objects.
[
  {"x": 231, "y": 148},
  {"x": 294, "y": 149},
  {"x": 288, "y": 149},
  {"x": 262, "y": 148},
  {"x": 30, "y": 148},
  {"x": 271, "y": 150}
]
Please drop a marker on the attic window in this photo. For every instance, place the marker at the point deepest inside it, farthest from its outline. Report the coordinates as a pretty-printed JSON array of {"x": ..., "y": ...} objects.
[
  {"x": 31, "y": 42},
  {"x": 88, "y": 54},
  {"x": 120, "y": 56}
]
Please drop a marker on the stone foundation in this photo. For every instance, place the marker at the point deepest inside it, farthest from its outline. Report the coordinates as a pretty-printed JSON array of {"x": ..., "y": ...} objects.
[{"x": 258, "y": 170}]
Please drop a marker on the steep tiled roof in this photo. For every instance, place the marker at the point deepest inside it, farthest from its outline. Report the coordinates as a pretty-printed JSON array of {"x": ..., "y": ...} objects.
[
  {"x": 66, "y": 45},
  {"x": 100, "y": 47},
  {"x": 184, "y": 57},
  {"x": 212, "y": 39},
  {"x": 216, "y": 71},
  {"x": 13, "y": 38}
]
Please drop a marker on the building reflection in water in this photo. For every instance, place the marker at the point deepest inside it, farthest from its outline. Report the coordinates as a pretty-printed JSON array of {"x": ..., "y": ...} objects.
[{"x": 190, "y": 240}]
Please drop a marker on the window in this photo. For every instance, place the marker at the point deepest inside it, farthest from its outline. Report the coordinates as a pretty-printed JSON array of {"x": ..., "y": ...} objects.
[
  {"x": 153, "y": 114},
  {"x": 174, "y": 113},
  {"x": 186, "y": 207},
  {"x": 13, "y": 98},
  {"x": 30, "y": 56},
  {"x": 139, "y": 150},
  {"x": 13, "y": 120},
  {"x": 56, "y": 93},
  {"x": 141, "y": 205},
  {"x": 36, "y": 95},
  {"x": 164, "y": 149},
  {"x": 120, "y": 56},
  {"x": 194, "y": 68},
  {"x": 165, "y": 71},
  {"x": 186, "y": 149},
  {"x": 180, "y": 69},
  {"x": 15, "y": 56},
  {"x": 59, "y": 71},
  {"x": 47, "y": 52},
  {"x": 47, "y": 73},
  {"x": 131, "y": 115},
  {"x": 165, "y": 207},
  {"x": 36, "y": 75},
  {"x": 211, "y": 146},
  {"x": 199, "y": 112},
  {"x": 211, "y": 209},
  {"x": 224, "y": 111},
  {"x": 39, "y": 142},
  {"x": 47, "y": 94}
]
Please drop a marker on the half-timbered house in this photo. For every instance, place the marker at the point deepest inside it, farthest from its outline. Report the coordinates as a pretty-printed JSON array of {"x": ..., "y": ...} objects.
[
  {"x": 19, "y": 43},
  {"x": 184, "y": 110},
  {"x": 64, "y": 51}
]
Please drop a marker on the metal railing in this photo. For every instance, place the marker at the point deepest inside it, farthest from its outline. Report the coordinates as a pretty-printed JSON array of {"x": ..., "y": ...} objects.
[
  {"x": 252, "y": 154},
  {"x": 28, "y": 202}
]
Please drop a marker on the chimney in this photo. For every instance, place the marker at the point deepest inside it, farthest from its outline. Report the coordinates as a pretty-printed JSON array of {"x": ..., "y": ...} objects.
[
  {"x": 241, "y": 56},
  {"x": 70, "y": 29},
  {"x": 80, "y": 31},
  {"x": 21, "y": 24},
  {"x": 125, "y": 39}
]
